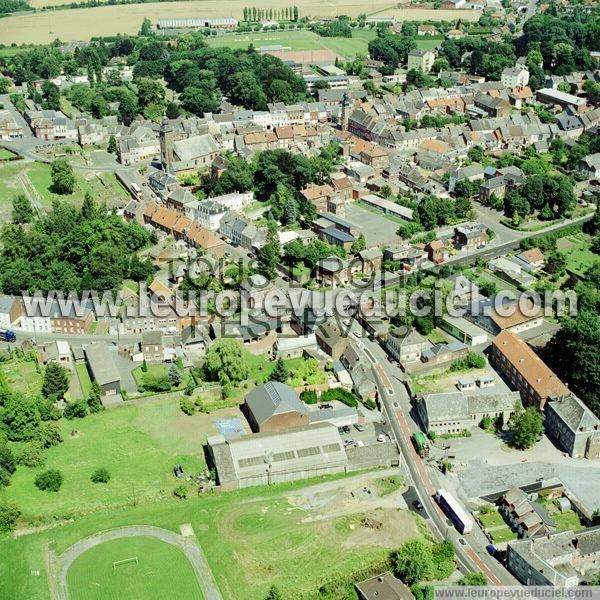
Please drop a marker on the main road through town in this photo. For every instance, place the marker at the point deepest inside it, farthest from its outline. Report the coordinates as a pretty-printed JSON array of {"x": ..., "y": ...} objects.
[{"x": 470, "y": 549}]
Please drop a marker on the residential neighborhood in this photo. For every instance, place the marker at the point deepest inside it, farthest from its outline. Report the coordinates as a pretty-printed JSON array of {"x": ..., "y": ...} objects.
[{"x": 279, "y": 284}]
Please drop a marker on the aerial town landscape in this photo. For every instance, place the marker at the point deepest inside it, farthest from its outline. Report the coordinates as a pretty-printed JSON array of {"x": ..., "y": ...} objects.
[{"x": 299, "y": 302}]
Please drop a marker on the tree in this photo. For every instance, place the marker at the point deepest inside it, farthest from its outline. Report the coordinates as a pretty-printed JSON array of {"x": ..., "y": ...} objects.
[
  {"x": 20, "y": 418},
  {"x": 112, "y": 145},
  {"x": 526, "y": 427},
  {"x": 9, "y": 514},
  {"x": 359, "y": 244},
  {"x": 226, "y": 357},
  {"x": 280, "y": 372},
  {"x": 473, "y": 579},
  {"x": 48, "y": 435},
  {"x": 476, "y": 154},
  {"x": 63, "y": 178},
  {"x": 49, "y": 481},
  {"x": 200, "y": 100},
  {"x": 274, "y": 594},
  {"x": 100, "y": 475},
  {"x": 89, "y": 210},
  {"x": 574, "y": 354},
  {"x": 190, "y": 386},
  {"x": 413, "y": 561},
  {"x": 56, "y": 381},
  {"x": 22, "y": 211},
  {"x": 175, "y": 375},
  {"x": 7, "y": 459},
  {"x": 269, "y": 255}
]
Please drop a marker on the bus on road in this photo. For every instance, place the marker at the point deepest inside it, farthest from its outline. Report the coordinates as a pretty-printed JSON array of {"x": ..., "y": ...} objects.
[
  {"x": 421, "y": 444},
  {"x": 457, "y": 514}
]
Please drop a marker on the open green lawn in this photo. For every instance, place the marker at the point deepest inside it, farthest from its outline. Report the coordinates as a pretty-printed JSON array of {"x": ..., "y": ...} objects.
[
  {"x": 84, "y": 379},
  {"x": 252, "y": 538},
  {"x": 566, "y": 520},
  {"x": 105, "y": 188},
  {"x": 302, "y": 372},
  {"x": 21, "y": 376},
  {"x": 503, "y": 534},
  {"x": 576, "y": 250},
  {"x": 427, "y": 43},
  {"x": 298, "y": 40},
  {"x": 162, "y": 571},
  {"x": 4, "y": 154},
  {"x": 138, "y": 444},
  {"x": 491, "y": 519}
]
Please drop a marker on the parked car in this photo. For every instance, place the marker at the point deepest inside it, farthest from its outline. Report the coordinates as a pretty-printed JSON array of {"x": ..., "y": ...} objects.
[{"x": 417, "y": 505}]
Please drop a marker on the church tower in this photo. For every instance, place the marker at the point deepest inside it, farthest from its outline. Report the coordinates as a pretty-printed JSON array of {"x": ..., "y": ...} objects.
[
  {"x": 345, "y": 111},
  {"x": 166, "y": 135}
]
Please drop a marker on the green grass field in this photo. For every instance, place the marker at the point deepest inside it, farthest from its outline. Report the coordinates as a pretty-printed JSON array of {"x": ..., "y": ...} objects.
[
  {"x": 566, "y": 520},
  {"x": 138, "y": 444},
  {"x": 503, "y": 534},
  {"x": 491, "y": 520},
  {"x": 21, "y": 376},
  {"x": 251, "y": 538},
  {"x": 161, "y": 571},
  {"x": 576, "y": 250},
  {"x": 105, "y": 189},
  {"x": 84, "y": 379},
  {"x": 299, "y": 40},
  {"x": 6, "y": 154}
]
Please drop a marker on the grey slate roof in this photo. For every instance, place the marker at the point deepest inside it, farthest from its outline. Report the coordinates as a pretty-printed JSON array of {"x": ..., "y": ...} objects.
[
  {"x": 101, "y": 363},
  {"x": 449, "y": 406},
  {"x": 273, "y": 398}
]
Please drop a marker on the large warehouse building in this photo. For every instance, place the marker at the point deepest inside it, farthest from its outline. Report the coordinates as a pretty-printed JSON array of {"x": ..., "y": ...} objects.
[{"x": 266, "y": 458}]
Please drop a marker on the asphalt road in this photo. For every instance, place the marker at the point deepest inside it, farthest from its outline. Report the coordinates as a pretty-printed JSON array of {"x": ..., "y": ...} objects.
[{"x": 471, "y": 555}]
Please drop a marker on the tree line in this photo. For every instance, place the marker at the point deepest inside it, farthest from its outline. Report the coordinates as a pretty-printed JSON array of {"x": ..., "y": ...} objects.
[{"x": 252, "y": 14}]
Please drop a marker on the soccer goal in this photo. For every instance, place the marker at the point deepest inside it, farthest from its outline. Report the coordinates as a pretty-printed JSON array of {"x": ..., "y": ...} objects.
[{"x": 126, "y": 561}]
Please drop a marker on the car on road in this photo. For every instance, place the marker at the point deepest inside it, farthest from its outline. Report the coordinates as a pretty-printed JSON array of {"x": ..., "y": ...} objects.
[
  {"x": 491, "y": 549},
  {"x": 462, "y": 541},
  {"x": 417, "y": 505}
]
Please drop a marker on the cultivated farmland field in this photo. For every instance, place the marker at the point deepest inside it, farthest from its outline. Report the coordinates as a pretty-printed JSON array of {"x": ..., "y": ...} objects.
[
  {"x": 84, "y": 23},
  {"x": 161, "y": 571}
]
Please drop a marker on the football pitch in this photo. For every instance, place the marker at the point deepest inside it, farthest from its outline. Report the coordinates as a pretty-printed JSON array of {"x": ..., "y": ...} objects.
[{"x": 134, "y": 568}]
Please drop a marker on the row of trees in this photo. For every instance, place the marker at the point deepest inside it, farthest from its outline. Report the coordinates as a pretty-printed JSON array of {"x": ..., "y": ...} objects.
[{"x": 254, "y": 14}]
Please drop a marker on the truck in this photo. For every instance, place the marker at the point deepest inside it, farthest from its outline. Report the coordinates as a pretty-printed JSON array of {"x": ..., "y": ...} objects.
[
  {"x": 6, "y": 335},
  {"x": 137, "y": 191},
  {"x": 421, "y": 444},
  {"x": 457, "y": 514}
]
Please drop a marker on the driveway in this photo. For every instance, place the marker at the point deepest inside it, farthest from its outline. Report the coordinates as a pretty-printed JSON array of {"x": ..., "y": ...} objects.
[{"x": 189, "y": 547}]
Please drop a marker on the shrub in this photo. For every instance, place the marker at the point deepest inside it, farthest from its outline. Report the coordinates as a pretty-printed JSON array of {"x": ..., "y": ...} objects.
[
  {"x": 309, "y": 396},
  {"x": 180, "y": 492},
  {"x": 156, "y": 383},
  {"x": 100, "y": 475},
  {"x": 4, "y": 477},
  {"x": 49, "y": 481},
  {"x": 9, "y": 513},
  {"x": 342, "y": 395},
  {"x": 370, "y": 404},
  {"x": 48, "y": 435},
  {"x": 7, "y": 459},
  {"x": 76, "y": 410},
  {"x": 471, "y": 361},
  {"x": 32, "y": 455},
  {"x": 186, "y": 406}
]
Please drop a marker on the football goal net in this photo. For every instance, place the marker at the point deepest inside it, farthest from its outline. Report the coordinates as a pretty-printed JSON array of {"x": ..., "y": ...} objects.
[{"x": 126, "y": 561}]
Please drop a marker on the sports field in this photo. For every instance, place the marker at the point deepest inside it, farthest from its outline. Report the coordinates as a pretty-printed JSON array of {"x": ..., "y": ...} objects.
[
  {"x": 292, "y": 535},
  {"x": 159, "y": 571},
  {"x": 300, "y": 40},
  {"x": 84, "y": 23}
]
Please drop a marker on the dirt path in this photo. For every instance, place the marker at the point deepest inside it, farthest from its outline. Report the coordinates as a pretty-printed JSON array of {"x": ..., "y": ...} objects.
[{"x": 189, "y": 547}]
